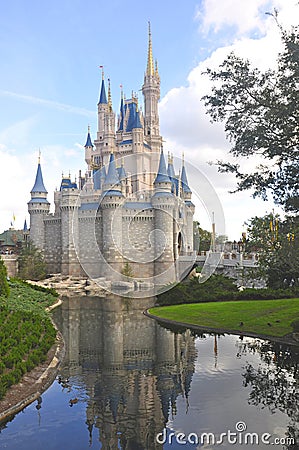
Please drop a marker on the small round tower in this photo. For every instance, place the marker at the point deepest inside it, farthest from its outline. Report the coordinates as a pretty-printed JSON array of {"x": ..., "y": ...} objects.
[
  {"x": 163, "y": 202},
  {"x": 38, "y": 208},
  {"x": 111, "y": 201}
]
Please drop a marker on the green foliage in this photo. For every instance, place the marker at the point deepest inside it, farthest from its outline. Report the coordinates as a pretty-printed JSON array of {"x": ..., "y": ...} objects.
[
  {"x": 277, "y": 244},
  {"x": 205, "y": 237},
  {"x": 219, "y": 288},
  {"x": 4, "y": 287},
  {"x": 31, "y": 263},
  {"x": 127, "y": 270},
  {"x": 261, "y": 117},
  {"x": 26, "y": 332},
  {"x": 36, "y": 287}
]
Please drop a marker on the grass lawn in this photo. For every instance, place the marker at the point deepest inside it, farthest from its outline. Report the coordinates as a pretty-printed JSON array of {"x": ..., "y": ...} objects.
[{"x": 255, "y": 315}]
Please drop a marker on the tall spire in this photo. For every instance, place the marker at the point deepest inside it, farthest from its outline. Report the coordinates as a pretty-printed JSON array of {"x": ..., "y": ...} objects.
[
  {"x": 184, "y": 179},
  {"x": 137, "y": 122},
  {"x": 103, "y": 97},
  {"x": 88, "y": 140},
  {"x": 162, "y": 175},
  {"x": 121, "y": 111},
  {"x": 109, "y": 96},
  {"x": 39, "y": 182},
  {"x": 150, "y": 69}
]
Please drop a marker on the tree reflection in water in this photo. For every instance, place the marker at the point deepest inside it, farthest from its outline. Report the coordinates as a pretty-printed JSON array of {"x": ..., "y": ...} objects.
[{"x": 275, "y": 385}]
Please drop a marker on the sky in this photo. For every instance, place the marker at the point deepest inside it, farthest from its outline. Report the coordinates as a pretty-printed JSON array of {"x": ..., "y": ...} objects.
[{"x": 50, "y": 55}]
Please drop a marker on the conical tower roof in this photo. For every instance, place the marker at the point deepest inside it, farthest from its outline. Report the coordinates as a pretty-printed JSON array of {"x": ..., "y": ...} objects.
[
  {"x": 162, "y": 176},
  {"x": 112, "y": 177},
  {"x": 88, "y": 140},
  {"x": 39, "y": 182}
]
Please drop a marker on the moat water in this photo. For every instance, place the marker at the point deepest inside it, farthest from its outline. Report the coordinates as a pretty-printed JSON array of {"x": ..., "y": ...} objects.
[{"x": 129, "y": 383}]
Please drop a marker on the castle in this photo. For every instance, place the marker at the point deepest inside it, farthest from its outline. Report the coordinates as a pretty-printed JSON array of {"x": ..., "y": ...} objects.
[{"x": 129, "y": 210}]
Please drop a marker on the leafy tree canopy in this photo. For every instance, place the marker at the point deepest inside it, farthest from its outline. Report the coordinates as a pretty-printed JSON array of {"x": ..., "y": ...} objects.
[
  {"x": 261, "y": 117},
  {"x": 31, "y": 263},
  {"x": 276, "y": 241}
]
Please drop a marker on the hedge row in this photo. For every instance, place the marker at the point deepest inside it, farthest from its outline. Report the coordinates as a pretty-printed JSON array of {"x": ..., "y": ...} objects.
[{"x": 219, "y": 288}]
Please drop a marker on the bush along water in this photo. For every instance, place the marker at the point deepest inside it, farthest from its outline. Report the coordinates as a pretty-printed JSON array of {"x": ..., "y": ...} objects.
[
  {"x": 26, "y": 333},
  {"x": 219, "y": 288}
]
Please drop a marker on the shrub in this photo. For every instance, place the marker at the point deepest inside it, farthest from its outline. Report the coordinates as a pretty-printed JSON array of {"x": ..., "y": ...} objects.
[
  {"x": 4, "y": 287},
  {"x": 219, "y": 288}
]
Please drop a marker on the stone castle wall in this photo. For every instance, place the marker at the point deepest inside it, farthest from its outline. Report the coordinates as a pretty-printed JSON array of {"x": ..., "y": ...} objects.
[{"x": 91, "y": 238}]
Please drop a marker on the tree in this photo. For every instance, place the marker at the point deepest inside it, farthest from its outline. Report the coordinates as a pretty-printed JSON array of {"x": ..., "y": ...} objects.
[
  {"x": 261, "y": 116},
  {"x": 277, "y": 243},
  {"x": 31, "y": 263},
  {"x": 204, "y": 237},
  {"x": 4, "y": 287},
  {"x": 127, "y": 270},
  {"x": 274, "y": 384}
]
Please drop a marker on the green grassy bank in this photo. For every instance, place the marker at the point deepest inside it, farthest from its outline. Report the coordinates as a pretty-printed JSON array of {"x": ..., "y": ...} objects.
[
  {"x": 275, "y": 318},
  {"x": 26, "y": 331}
]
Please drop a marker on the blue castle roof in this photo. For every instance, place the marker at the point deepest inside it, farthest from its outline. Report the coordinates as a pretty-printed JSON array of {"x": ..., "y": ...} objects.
[
  {"x": 134, "y": 117},
  {"x": 170, "y": 170},
  {"x": 185, "y": 185},
  {"x": 39, "y": 182},
  {"x": 66, "y": 183},
  {"x": 97, "y": 178},
  {"x": 88, "y": 141},
  {"x": 137, "y": 123},
  {"x": 121, "y": 124},
  {"x": 162, "y": 176},
  {"x": 131, "y": 120},
  {"x": 112, "y": 177},
  {"x": 121, "y": 173},
  {"x": 103, "y": 97}
]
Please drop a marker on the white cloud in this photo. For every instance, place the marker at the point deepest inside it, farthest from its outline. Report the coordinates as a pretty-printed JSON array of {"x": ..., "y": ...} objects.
[
  {"x": 18, "y": 174},
  {"x": 242, "y": 14},
  {"x": 184, "y": 122},
  {"x": 13, "y": 194}
]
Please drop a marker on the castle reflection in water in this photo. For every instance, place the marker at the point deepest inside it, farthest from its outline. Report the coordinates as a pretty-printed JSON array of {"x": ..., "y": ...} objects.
[{"x": 132, "y": 369}]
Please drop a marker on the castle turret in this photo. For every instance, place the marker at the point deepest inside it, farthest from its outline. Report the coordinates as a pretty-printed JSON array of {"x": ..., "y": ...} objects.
[
  {"x": 163, "y": 201},
  {"x": 190, "y": 208},
  {"x": 111, "y": 201},
  {"x": 151, "y": 93},
  {"x": 69, "y": 203},
  {"x": 102, "y": 109},
  {"x": 120, "y": 128},
  {"x": 38, "y": 208},
  {"x": 88, "y": 149},
  {"x": 171, "y": 174}
]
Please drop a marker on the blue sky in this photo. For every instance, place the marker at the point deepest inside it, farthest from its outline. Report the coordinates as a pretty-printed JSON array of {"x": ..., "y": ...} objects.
[{"x": 49, "y": 82}]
